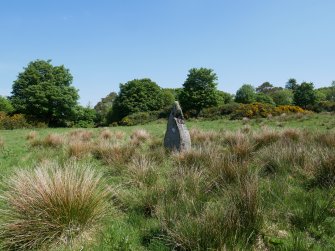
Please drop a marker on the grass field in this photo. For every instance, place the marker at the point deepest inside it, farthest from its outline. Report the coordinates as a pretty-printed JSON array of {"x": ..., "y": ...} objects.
[{"x": 263, "y": 184}]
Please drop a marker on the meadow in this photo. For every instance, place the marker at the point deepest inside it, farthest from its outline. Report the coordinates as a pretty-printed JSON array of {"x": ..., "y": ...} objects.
[{"x": 259, "y": 184}]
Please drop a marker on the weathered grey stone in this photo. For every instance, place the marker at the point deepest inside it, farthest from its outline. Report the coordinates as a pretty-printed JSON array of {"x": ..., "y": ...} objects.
[{"x": 177, "y": 137}]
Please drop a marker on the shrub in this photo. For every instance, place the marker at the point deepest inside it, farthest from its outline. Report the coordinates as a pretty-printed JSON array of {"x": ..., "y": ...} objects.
[
  {"x": 323, "y": 106},
  {"x": 255, "y": 110},
  {"x": 140, "y": 118},
  {"x": 16, "y": 121},
  {"x": 52, "y": 206}
]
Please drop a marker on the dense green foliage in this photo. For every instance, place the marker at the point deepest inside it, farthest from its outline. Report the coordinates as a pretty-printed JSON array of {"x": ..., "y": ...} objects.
[
  {"x": 282, "y": 97},
  {"x": 44, "y": 92},
  {"x": 5, "y": 105},
  {"x": 138, "y": 95},
  {"x": 199, "y": 90},
  {"x": 304, "y": 95},
  {"x": 263, "y": 98},
  {"x": 103, "y": 107},
  {"x": 291, "y": 84},
  {"x": 246, "y": 94}
]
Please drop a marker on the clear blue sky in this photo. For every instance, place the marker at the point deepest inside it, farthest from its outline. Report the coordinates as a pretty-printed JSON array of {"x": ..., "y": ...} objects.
[{"x": 105, "y": 43}]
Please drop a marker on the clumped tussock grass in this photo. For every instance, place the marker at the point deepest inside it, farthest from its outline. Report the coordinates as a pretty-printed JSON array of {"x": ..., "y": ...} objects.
[
  {"x": 31, "y": 135},
  {"x": 79, "y": 149},
  {"x": 52, "y": 206},
  {"x": 291, "y": 134},
  {"x": 106, "y": 134},
  {"x": 53, "y": 140},
  {"x": 326, "y": 139},
  {"x": 142, "y": 171},
  {"x": 266, "y": 137},
  {"x": 113, "y": 153},
  {"x": 139, "y": 136},
  {"x": 196, "y": 218},
  {"x": 325, "y": 172},
  {"x": 239, "y": 144},
  {"x": 201, "y": 137},
  {"x": 83, "y": 135}
]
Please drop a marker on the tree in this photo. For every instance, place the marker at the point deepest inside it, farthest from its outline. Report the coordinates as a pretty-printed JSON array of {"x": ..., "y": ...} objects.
[
  {"x": 44, "y": 92},
  {"x": 103, "y": 107},
  {"x": 5, "y": 105},
  {"x": 138, "y": 95},
  {"x": 199, "y": 90},
  {"x": 291, "y": 84},
  {"x": 224, "y": 97},
  {"x": 246, "y": 94},
  {"x": 304, "y": 95},
  {"x": 84, "y": 117},
  {"x": 263, "y": 98},
  {"x": 282, "y": 97},
  {"x": 266, "y": 87}
]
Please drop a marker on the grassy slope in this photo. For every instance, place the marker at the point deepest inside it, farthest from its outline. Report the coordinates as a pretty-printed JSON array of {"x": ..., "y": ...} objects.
[{"x": 131, "y": 229}]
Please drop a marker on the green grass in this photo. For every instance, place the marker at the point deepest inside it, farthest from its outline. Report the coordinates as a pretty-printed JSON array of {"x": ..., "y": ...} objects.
[{"x": 248, "y": 184}]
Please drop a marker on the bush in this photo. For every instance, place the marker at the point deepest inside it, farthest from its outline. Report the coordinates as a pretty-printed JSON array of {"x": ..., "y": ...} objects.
[
  {"x": 16, "y": 121},
  {"x": 255, "y": 110},
  {"x": 140, "y": 118},
  {"x": 52, "y": 206},
  {"x": 323, "y": 106}
]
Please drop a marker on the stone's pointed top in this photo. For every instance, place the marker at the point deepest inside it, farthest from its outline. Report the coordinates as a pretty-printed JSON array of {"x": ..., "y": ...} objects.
[{"x": 176, "y": 111}]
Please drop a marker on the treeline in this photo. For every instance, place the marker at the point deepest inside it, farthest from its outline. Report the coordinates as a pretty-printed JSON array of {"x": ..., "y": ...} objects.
[{"x": 43, "y": 95}]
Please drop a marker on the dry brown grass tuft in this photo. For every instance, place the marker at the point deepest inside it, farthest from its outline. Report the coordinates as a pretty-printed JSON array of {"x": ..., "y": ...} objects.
[
  {"x": 326, "y": 139},
  {"x": 291, "y": 134},
  {"x": 53, "y": 140},
  {"x": 31, "y": 135},
  {"x": 106, "y": 134},
  {"x": 200, "y": 137},
  {"x": 80, "y": 149},
  {"x": 83, "y": 135},
  {"x": 139, "y": 136},
  {"x": 266, "y": 137},
  {"x": 52, "y": 206},
  {"x": 119, "y": 135},
  {"x": 141, "y": 170},
  {"x": 112, "y": 153},
  {"x": 239, "y": 144}
]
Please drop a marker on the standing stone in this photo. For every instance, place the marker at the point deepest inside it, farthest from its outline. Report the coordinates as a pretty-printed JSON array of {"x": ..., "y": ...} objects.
[{"x": 177, "y": 136}]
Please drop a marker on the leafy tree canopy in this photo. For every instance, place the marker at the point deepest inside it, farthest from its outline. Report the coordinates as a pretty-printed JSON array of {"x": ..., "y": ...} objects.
[
  {"x": 44, "y": 92},
  {"x": 305, "y": 95},
  {"x": 199, "y": 90},
  {"x": 224, "y": 97},
  {"x": 291, "y": 84},
  {"x": 103, "y": 107},
  {"x": 282, "y": 97},
  {"x": 5, "y": 105},
  {"x": 266, "y": 87},
  {"x": 263, "y": 98},
  {"x": 246, "y": 94},
  {"x": 138, "y": 95}
]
